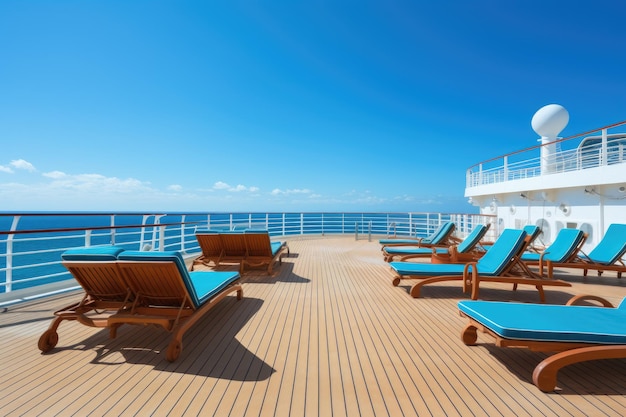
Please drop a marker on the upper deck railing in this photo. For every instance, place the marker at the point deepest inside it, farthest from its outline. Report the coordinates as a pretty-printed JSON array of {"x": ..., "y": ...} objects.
[
  {"x": 31, "y": 244},
  {"x": 591, "y": 149}
]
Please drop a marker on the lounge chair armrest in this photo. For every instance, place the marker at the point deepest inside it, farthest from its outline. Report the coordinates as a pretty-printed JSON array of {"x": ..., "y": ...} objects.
[{"x": 587, "y": 297}]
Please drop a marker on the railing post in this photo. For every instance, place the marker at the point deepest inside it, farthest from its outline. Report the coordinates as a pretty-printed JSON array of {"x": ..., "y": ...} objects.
[
  {"x": 112, "y": 223},
  {"x": 506, "y": 168},
  {"x": 369, "y": 232},
  {"x": 9, "y": 259},
  {"x": 605, "y": 152},
  {"x": 182, "y": 233}
]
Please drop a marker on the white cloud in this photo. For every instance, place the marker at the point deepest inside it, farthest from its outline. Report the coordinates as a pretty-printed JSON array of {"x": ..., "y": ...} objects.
[
  {"x": 6, "y": 169},
  {"x": 54, "y": 174},
  {"x": 175, "y": 187},
  {"x": 22, "y": 164},
  {"x": 220, "y": 185},
  {"x": 278, "y": 191}
]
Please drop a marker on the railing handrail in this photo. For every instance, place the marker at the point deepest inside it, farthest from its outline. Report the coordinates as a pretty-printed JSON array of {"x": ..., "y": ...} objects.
[
  {"x": 32, "y": 255},
  {"x": 558, "y": 141}
]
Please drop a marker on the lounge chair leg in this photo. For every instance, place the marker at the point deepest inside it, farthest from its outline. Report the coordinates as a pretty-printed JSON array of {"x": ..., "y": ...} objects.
[
  {"x": 469, "y": 335},
  {"x": 174, "y": 349},
  {"x": 542, "y": 295},
  {"x": 416, "y": 290},
  {"x": 113, "y": 330},
  {"x": 50, "y": 337},
  {"x": 544, "y": 375},
  {"x": 48, "y": 340}
]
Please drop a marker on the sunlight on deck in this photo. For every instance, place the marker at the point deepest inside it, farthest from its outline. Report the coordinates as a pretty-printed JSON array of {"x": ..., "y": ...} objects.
[{"x": 327, "y": 334}]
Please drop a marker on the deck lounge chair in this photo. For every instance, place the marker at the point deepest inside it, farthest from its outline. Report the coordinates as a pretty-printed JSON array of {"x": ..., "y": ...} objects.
[
  {"x": 169, "y": 296},
  {"x": 211, "y": 246},
  {"x": 95, "y": 269},
  {"x": 454, "y": 254},
  {"x": 260, "y": 250},
  {"x": 233, "y": 248},
  {"x": 501, "y": 263},
  {"x": 564, "y": 248},
  {"x": 606, "y": 256},
  {"x": 440, "y": 237},
  {"x": 531, "y": 230},
  {"x": 578, "y": 333}
]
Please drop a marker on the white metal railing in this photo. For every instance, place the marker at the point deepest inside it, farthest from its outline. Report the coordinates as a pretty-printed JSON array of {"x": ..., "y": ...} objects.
[
  {"x": 588, "y": 150},
  {"x": 31, "y": 243}
]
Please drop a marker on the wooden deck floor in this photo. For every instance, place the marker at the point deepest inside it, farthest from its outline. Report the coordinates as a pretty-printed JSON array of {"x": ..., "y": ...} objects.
[{"x": 326, "y": 335}]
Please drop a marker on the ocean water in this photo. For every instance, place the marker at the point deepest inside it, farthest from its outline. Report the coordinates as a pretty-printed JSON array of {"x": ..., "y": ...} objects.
[{"x": 38, "y": 255}]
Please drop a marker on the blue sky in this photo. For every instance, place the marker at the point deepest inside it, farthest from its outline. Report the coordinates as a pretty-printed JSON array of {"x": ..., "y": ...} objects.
[{"x": 288, "y": 106}]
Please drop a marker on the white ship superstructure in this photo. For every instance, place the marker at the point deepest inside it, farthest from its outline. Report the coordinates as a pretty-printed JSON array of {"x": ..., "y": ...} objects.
[{"x": 577, "y": 182}]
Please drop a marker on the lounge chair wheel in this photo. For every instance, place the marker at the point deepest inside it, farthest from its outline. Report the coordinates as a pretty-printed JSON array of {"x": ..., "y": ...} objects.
[
  {"x": 173, "y": 351},
  {"x": 469, "y": 335},
  {"x": 48, "y": 340},
  {"x": 396, "y": 282}
]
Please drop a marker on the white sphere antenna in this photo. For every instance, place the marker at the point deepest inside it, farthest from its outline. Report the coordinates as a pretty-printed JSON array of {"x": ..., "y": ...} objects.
[{"x": 550, "y": 120}]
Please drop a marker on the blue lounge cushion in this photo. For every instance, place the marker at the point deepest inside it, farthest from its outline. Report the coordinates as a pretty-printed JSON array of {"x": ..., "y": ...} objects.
[
  {"x": 434, "y": 238},
  {"x": 426, "y": 270},
  {"x": 561, "y": 249},
  {"x": 491, "y": 264},
  {"x": 398, "y": 241},
  {"x": 550, "y": 323},
  {"x": 412, "y": 250},
  {"x": 276, "y": 246},
  {"x": 92, "y": 253},
  {"x": 612, "y": 246},
  {"x": 465, "y": 246},
  {"x": 472, "y": 239},
  {"x": 201, "y": 285}
]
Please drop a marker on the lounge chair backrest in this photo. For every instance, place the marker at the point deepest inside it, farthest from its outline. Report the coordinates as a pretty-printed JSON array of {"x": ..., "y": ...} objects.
[
  {"x": 233, "y": 243},
  {"x": 473, "y": 238},
  {"x": 564, "y": 246},
  {"x": 258, "y": 243},
  {"x": 510, "y": 243},
  {"x": 532, "y": 231},
  {"x": 210, "y": 242},
  {"x": 441, "y": 234},
  {"x": 95, "y": 269},
  {"x": 159, "y": 277},
  {"x": 612, "y": 246}
]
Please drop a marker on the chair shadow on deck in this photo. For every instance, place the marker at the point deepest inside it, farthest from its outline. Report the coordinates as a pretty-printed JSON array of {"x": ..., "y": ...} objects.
[
  {"x": 259, "y": 275},
  {"x": 211, "y": 346},
  {"x": 599, "y": 377},
  {"x": 528, "y": 295}
]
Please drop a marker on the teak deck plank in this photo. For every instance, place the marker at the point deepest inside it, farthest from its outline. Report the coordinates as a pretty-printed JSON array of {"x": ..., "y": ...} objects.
[{"x": 326, "y": 334}]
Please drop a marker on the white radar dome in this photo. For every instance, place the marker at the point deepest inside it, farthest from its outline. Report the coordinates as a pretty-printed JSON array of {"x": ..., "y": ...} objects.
[{"x": 550, "y": 120}]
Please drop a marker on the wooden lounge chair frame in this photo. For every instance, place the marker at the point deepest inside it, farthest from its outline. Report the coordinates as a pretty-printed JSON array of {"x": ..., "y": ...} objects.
[
  {"x": 585, "y": 263},
  {"x": 259, "y": 250},
  {"x": 243, "y": 247},
  {"x": 211, "y": 246},
  {"x": 441, "y": 237},
  {"x": 163, "y": 299},
  {"x": 542, "y": 262},
  {"x": 515, "y": 272},
  {"x": 451, "y": 254},
  {"x": 545, "y": 373},
  {"x": 106, "y": 293}
]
